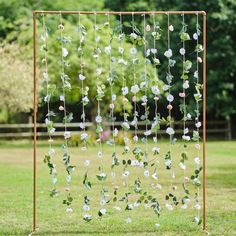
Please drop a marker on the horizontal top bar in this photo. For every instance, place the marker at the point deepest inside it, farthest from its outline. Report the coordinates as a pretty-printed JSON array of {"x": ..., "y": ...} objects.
[{"x": 118, "y": 13}]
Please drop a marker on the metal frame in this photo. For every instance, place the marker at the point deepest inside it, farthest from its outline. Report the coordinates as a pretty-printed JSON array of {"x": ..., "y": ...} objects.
[{"x": 123, "y": 13}]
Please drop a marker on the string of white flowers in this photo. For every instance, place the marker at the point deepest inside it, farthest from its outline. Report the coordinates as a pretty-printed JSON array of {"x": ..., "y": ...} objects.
[
  {"x": 170, "y": 98},
  {"x": 197, "y": 122},
  {"x": 135, "y": 87},
  {"x": 49, "y": 123},
  {"x": 100, "y": 94},
  {"x": 84, "y": 90},
  {"x": 115, "y": 160},
  {"x": 185, "y": 136},
  {"x": 67, "y": 134},
  {"x": 156, "y": 121},
  {"x": 145, "y": 98}
]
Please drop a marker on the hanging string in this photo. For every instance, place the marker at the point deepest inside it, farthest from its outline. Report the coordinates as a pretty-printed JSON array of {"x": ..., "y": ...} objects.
[
  {"x": 49, "y": 123},
  {"x": 67, "y": 134},
  {"x": 197, "y": 122},
  {"x": 170, "y": 130},
  {"x": 145, "y": 99},
  {"x": 100, "y": 94},
  {"x": 84, "y": 91}
]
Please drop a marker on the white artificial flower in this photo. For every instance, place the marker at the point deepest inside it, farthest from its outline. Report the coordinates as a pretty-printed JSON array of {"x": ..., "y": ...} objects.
[
  {"x": 84, "y": 136},
  {"x": 135, "y": 89},
  {"x": 134, "y": 163},
  {"x": 198, "y": 124},
  {"x": 155, "y": 90},
  {"x": 133, "y": 51},
  {"x": 87, "y": 217},
  {"x": 171, "y": 28},
  {"x": 115, "y": 132},
  {"x": 199, "y": 59},
  {"x": 85, "y": 99},
  {"x": 98, "y": 119},
  {"x": 81, "y": 125},
  {"x": 61, "y": 108},
  {"x": 99, "y": 71},
  {"x": 86, "y": 163},
  {"x": 144, "y": 98},
  {"x": 169, "y": 207},
  {"x": 170, "y": 98},
  {"x": 148, "y": 53},
  {"x": 86, "y": 207},
  {"x": 126, "y": 125},
  {"x": 108, "y": 49},
  {"x": 154, "y": 139},
  {"x": 186, "y": 130},
  {"x": 51, "y": 152},
  {"x": 195, "y": 74},
  {"x": 64, "y": 52},
  {"x": 182, "y": 51},
  {"x": 67, "y": 134},
  {"x": 121, "y": 50},
  {"x": 99, "y": 154},
  {"x": 186, "y": 137},
  {"x": 166, "y": 87},
  {"x": 54, "y": 180},
  {"x": 68, "y": 178},
  {"x": 126, "y": 173},
  {"x": 156, "y": 61},
  {"x": 170, "y": 131},
  {"x": 157, "y": 225},
  {"x": 153, "y": 50},
  {"x": 168, "y": 53},
  {"x": 189, "y": 117},
  {"x": 158, "y": 186},
  {"x": 197, "y": 146},
  {"x": 136, "y": 204},
  {"x": 195, "y": 36},
  {"x": 103, "y": 211},
  {"x": 98, "y": 39},
  {"x": 62, "y": 98},
  {"x": 69, "y": 210},
  {"x": 197, "y": 206},
  {"x": 184, "y": 206},
  {"x": 125, "y": 90},
  {"x": 182, "y": 166},
  {"x": 197, "y": 160},
  {"x": 196, "y": 219},
  {"x": 128, "y": 220},
  {"x": 146, "y": 173},
  {"x": 102, "y": 202},
  {"x": 45, "y": 76},
  {"x": 135, "y": 138},
  {"x": 147, "y": 133},
  {"x": 133, "y": 35},
  {"x": 82, "y": 77},
  {"x": 186, "y": 201},
  {"x": 148, "y": 27},
  {"x": 113, "y": 97},
  {"x": 186, "y": 84}
]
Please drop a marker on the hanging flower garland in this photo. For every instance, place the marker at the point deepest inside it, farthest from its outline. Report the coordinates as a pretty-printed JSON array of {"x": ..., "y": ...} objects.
[
  {"x": 84, "y": 136},
  {"x": 48, "y": 159},
  {"x": 100, "y": 94},
  {"x": 170, "y": 197},
  {"x": 196, "y": 136},
  {"x": 84, "y": 90},
  {"x": 111, "y": 80},
  {"x": 184, "y": 36},
  {"x": 67, "y": 116}
]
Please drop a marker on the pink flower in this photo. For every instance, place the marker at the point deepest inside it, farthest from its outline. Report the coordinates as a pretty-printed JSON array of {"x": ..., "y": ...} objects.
[
  {"x": 61, "y": 108},
  {"x": 105, "y": 135},
  {"x": 182, "y": 95}
]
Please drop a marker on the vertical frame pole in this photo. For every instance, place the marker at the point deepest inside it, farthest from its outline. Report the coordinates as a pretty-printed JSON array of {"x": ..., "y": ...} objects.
[
  {"x": 204, "y": 122},
  {"x": 35, "y": 126}
]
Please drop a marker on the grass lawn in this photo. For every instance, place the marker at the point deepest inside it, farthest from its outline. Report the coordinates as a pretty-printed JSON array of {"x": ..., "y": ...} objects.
[{"x": 16, "y": 168}]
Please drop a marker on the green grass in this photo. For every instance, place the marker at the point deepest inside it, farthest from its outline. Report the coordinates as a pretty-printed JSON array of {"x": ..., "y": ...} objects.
[{"x": 16, "y": 168}]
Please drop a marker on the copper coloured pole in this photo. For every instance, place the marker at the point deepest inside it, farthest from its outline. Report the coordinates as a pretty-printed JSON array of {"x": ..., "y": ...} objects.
[
  {"x": 204, "y": 122},
  {"x": 122, "y": 12},
  {"x": 35, "y": 127}
]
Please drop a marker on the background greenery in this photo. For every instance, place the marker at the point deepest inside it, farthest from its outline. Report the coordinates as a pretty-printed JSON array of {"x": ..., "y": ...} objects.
[{"x": 16, "y": 29}]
